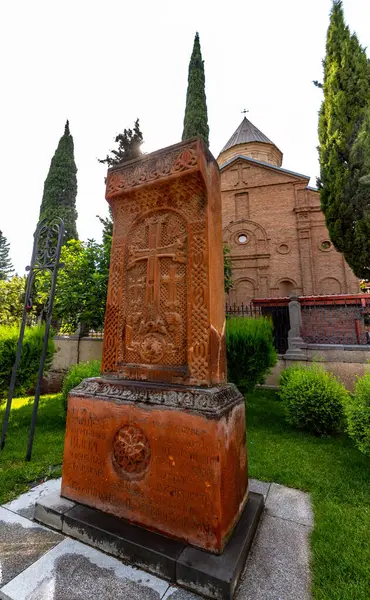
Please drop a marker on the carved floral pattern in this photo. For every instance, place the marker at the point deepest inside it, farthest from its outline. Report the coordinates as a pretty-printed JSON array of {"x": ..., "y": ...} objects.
[
  {"x": 131, "y": 450},
  {"x": 145, "y": 171}
]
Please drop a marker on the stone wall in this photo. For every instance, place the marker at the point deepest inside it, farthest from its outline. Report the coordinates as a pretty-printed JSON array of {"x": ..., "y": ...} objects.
[
  {"x": 70, "y": 351},
  {"x": 333, "y": 324},
  {"x": 345, "y": 362}
]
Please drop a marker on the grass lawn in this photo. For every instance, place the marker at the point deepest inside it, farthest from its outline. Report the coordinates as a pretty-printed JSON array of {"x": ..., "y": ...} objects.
[
  {"x": 335, "y": 474},
  {"x": 338, "y": 478},
  {"x": 15, "y": 474}
]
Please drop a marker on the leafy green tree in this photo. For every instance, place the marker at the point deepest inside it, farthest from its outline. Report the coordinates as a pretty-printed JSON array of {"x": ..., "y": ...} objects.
[
  {"x": 228, "y": 281},
  {"x": 6, "y": 267},
  {"x": 129, "y": 147},
  {"x": 196, "y": 116},
  {"x": 60, "y": 187},
  {"x": 82, "y": 284},
  {"x": 346, "y": 89},
  {"x": 12, "y": 294}
]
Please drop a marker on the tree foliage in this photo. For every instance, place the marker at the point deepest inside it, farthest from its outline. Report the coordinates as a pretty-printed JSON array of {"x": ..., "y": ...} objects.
[
  {"x": 343, "y": 137},
  {"x": 196, "y": 116},
  {"x": 129, "y": 147},
  {"x": 228, "y": 281},
  {"x": 60, "y": 187},
  {"x": 6, "y": 267},
  {"x": 12, "y": 294},
  {"x": 81, "y": 290}
]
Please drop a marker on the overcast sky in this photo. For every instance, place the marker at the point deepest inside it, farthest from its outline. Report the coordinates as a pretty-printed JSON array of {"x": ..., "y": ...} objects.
[{"x": 102, "y": 64}]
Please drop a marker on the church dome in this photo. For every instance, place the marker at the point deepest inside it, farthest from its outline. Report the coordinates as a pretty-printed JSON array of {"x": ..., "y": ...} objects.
[{"x": 249, "y": 141}]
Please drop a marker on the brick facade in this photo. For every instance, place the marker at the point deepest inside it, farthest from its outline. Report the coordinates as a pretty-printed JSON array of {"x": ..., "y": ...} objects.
[{"x": 277, "y": 233}]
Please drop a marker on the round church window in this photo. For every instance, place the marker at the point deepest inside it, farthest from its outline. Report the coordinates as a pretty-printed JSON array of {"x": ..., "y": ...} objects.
[
  {"x": 242, "y": 238},
  {"x": 325, "y": 245}
]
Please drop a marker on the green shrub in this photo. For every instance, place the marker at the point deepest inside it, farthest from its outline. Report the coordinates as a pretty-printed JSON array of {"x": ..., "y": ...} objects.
[
  {"x": 357, "y": 410},
  {"x": 78, "y": 373},
  {"x": 250, "y": 350},
  {"x": 30, "y": 357},
  {"x": 314, "y": 399}
]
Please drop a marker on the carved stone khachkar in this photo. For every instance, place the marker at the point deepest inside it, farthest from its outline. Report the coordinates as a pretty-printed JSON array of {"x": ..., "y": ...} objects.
[{"x": 159, "y": 439}]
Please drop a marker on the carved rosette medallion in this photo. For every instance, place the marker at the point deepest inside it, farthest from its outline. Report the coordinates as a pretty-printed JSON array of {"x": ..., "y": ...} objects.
[{"x": 131, "y": 451}]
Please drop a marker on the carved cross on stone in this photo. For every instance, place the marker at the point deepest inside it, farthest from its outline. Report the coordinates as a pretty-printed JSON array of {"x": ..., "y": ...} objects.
[
  {"x": 239, "y": 173},
  {"x": 171, "y": 280},
  {"x": 152, "y": 256}
]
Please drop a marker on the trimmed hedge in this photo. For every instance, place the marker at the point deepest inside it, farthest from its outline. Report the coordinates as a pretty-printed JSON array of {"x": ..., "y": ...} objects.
[
  {"x": 76, "y": 374},
  {"x": 357, "y": 411},
  {"x": 30, "y": 357},
  {"x": 250, "y": 350},
  {"x": 314, "y": 399}
]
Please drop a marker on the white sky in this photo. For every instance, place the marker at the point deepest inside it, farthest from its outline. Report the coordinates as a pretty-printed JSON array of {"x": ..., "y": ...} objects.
[{"x": 102, "y": 64}]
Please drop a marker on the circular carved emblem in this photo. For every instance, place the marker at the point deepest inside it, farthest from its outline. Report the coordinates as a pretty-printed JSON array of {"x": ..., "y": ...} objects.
[
  {"x": 283, "y": 249},
  {"x": 152, "y": 349},
  {"x": 131, "y": 450}
]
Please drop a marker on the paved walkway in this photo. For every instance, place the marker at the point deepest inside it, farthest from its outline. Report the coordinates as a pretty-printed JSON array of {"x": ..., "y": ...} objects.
[{"x": 36, "y": 563}]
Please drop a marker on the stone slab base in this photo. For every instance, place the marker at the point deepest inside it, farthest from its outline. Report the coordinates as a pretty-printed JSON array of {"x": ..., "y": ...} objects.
[{"x": 213, "y": 576}]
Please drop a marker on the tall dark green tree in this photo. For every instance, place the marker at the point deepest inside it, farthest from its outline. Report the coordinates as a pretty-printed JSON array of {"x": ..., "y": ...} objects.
[
  {"x": 196, "y": 116},
  {"x": 60, "y": 187},
  {"x": 346, "y": 89},
  {"x": 6, "y": 267},
  {"x": 129, "y": 147}
]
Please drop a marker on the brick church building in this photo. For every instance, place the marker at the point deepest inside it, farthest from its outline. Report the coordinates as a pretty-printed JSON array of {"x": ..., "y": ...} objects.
[{"x": 274, "y": 226}]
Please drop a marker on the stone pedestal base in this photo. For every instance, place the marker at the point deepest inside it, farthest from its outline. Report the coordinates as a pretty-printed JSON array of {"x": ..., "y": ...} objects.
[
  {"x": 171, "y": 459},
  {"x": 211, "y": 575}
]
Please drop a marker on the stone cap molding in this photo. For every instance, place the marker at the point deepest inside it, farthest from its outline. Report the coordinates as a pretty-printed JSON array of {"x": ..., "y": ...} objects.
[{"x": 211, "y": 401}]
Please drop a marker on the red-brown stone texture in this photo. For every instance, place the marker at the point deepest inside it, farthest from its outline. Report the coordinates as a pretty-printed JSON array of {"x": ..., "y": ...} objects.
[
  {"x": 165, "y": 315},
  {"x": 181, "y": 473},
  {"x": 160, "y": 438}
]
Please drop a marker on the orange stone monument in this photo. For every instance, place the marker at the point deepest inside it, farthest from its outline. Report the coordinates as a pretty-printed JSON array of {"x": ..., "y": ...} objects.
[{"x": 159, "y": 439}]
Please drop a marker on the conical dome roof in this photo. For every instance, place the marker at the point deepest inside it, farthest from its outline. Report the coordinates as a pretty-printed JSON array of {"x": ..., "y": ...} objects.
[{"x": 246, "y": 133}]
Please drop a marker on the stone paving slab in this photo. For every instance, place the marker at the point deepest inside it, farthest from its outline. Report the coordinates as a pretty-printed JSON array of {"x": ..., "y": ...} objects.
[
  {"x": 75, "y": 571},
  {"x": 21, "y": 544},
  {"x": 290, "y": 504},
  {"x": 259, "y": 487},
  {"x": 278, "y": 565},
  {"x": 25, "y": 504}
]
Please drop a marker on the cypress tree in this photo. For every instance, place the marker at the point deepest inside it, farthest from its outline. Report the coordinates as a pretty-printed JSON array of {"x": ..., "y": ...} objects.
[
  {"x": 6, "y": 267},
  {"x": 196, "y": 117},
  {"x": 346, "y": 95},
  {"x": 60, "y": 187}
]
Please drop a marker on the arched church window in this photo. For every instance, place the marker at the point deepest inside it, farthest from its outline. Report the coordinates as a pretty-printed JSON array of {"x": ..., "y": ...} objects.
[{"x": 286, "y": 288}]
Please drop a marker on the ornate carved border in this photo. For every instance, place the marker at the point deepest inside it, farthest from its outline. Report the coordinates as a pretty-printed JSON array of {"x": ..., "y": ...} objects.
[
  {"x": 162, "y": 164},
  {"x": 210, "y": 401}
]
